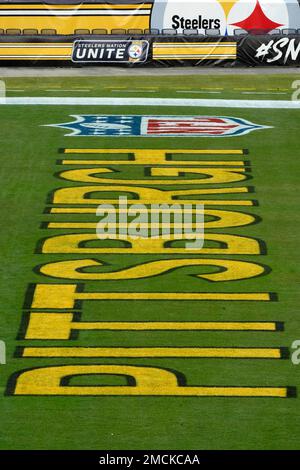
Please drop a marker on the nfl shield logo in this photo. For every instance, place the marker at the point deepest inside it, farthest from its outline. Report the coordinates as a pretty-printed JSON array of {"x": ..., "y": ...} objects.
[{"x": 151, "y": 126}]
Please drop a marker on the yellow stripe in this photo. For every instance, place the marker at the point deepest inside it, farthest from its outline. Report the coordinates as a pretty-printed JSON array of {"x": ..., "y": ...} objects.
[
  {"x": 208, "y": 202},
  {"x": 262, "y": 297},
  {"x": 72, "y": 210},
  {"x": 203, "y": 49},
  {"x": 93, "y": 225},
  {"x": 196, "y": 53},
  {"x": 196, "y": 50},
  {"x": 87, "y": 210},
  {"x": 191, "y": 44},
  {"x": 167, "y": 162},
  {"x": 177, "y": 57},
  {"x": 276, "y": 392},
  {"x": 153, "y": 151},
  {"x": 41, "y": 51},
  {"x": 141, "y": 326},
  {"x": 36, "y": 52},
  {"x": 193, "y": 51},
  {"x": 234, "y": 353}
]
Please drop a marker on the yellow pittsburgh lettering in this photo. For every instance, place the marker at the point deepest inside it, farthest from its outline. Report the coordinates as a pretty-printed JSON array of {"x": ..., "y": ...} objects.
[
  {"x": 143, "y": 381},
  {"x": 77, "y": 351},
  {"x": 75, "y": 243},
  {"x": 153, "y": 156},
  {"x": 83, "y": 195},
  {"x": 230, "y": 270},
  {"x": 45, "y": 325},
  {"x": 212, "y": 176},
  {"x": 67, "y": 296}
]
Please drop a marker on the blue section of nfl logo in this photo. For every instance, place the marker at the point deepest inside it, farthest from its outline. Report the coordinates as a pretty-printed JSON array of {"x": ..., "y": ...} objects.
[{"x": 97, "y": 125}]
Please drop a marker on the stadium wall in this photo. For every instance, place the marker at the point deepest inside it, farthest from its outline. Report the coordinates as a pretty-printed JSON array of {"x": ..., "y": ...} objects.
[
  {"x": 161, "y": 51},
  {"x": 163, "y": 32}
]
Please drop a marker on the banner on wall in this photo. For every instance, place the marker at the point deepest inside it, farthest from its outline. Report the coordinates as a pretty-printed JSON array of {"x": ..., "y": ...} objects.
[
  {"x": 110, "y": 51},
  {"x": 269, "y": 51},
  {"x": 262, "y": 50},
  {"x": 226, "y": 15}
]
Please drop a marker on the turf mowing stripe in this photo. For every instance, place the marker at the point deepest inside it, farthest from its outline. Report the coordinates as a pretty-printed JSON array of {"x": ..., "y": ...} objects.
[
  {"x": 191, "y": 102},
  {"x": 206, "y": 352}
]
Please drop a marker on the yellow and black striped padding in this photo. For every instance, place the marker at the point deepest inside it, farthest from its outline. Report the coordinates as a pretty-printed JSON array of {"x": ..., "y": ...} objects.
[{"x": 65, "y": 19}]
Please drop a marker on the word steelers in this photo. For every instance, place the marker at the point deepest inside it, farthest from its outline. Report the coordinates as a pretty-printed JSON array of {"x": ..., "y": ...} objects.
[{"x": 56, "y": 306}]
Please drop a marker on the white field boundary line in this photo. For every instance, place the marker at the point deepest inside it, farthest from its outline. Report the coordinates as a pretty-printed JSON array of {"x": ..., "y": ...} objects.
[{"x": 191, "y": 102}]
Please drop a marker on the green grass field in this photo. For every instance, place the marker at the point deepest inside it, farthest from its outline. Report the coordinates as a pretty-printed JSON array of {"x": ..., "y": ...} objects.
[
  {"x": 228, "y": 86},
  {"x": 29, "y": 167}
]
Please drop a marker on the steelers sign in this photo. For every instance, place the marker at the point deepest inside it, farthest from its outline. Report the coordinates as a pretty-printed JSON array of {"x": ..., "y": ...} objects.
[
  {"x": 225, "y": 15},
  {"x": 110, "y": 51}
]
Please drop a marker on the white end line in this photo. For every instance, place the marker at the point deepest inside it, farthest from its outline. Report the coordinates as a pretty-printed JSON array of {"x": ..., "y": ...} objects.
[{"x": 143, "y": 101}]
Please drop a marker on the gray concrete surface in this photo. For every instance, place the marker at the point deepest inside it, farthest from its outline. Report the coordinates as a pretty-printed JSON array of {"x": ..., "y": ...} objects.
[{"x": 103, "y": 71}]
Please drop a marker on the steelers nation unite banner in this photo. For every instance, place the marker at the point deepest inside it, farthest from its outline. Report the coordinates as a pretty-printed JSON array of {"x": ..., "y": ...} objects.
[
  {"x": 111, "y": 50},
  {"x": 90, "y": 45}
]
